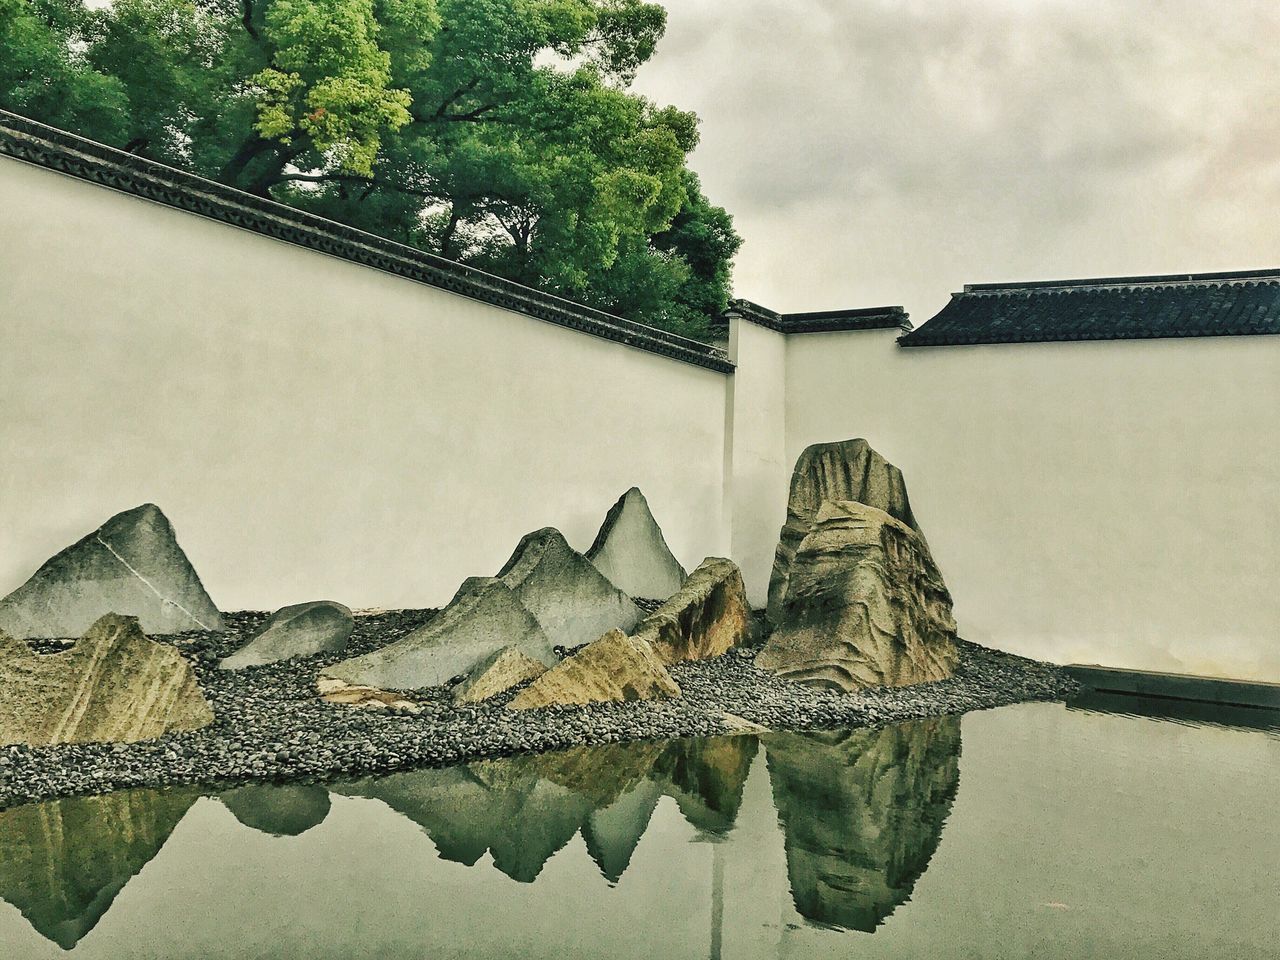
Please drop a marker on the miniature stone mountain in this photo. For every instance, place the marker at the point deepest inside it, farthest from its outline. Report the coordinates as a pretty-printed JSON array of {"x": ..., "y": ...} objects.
[
  {"x": 857, "y": 601},
  {"x": 301, "y": 630},
  {"x": 848, "y": 470},
  {"x": 131, "y": 565},
  {"x": 484, "y": 616},
  {"x": 632, "y": 553},
  {"x": 708, "y": 616},
  {"x": 614, "y": 668},
  {"x": 115, "y": 684}
]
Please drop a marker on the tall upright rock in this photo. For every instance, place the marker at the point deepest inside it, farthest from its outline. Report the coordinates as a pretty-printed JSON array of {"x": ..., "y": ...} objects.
[
  {"x": 632, "y": 552},
  {"x": 131, "y": 565},
  {"x": 114, "y": 685},
  {"x": 847, "y": 470},
  {"x": 484, "y": 617},
  {"x": 574, "y": 602},
  {"x": 862, "y": 813},
  {"x": 62, "y": 863},
  {"x": 865, "y": 606}
]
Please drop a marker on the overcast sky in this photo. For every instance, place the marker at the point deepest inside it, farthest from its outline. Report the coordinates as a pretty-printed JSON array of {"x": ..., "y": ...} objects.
[{"x": 889, "y": 151}]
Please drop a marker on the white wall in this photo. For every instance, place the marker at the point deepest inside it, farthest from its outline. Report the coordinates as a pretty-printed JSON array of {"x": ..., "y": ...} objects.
[
  {"x": 759, "y": 471},
  {"x": 1114, "y": 502},
  {"x": 312, "y": 427}
]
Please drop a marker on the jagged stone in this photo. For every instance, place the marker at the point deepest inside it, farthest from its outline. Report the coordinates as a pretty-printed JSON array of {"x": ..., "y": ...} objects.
[
  {"x": 114, "y": 685},
  {"x": 571, "y": 599},
  {"x": 614, "y": 668},
  {"x": 865, "y": 606},
  {"x": 498, "y": 673},
  {"x": 485, "y": 616},
  {"x": 281, "y": 810},
  {"x": 62, "y": 863},
  {"x": 631, "y": 551},
  {"x": 344, "y": 694},
  {"x": 854, "y": 857},
  {"x": 131, "y": 565},
  {"x": 301, "y": 630},
  {"x": 707, "y": 617},
  {"x": 848, "y": 470}
]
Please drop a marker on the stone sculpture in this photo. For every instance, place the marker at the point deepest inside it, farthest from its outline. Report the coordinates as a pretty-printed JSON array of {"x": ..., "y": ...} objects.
[
  {"x": 570, "y": 598},
  {"x": 865, "y": 606},
  {"x": 707, "y": 617},
  {"x": 498, "y": 673},
  {"x": 301, "y": 630},
  {"x": 632, "y": 552},
  {"x": 131, "y": 565},
  {"x": 848, "y": 470},
  {"x": 485, "y": 616},
  {"x": 114, "y": 685},
  {"x": 614, "y": 668}
]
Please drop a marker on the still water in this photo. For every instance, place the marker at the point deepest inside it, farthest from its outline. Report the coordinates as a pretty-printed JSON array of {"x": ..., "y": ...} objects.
[{"x": 1031, "y": 831}]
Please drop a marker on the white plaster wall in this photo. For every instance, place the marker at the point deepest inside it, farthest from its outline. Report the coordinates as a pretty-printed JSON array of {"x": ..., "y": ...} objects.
[
  {"x": 1114, "y": 502},
  {"x": 759, "y": 472},
  {"x": 312, "y": 427}
]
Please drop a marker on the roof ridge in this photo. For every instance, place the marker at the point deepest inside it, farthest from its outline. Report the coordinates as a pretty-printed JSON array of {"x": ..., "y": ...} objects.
[{"x": 1267, "y": 275}]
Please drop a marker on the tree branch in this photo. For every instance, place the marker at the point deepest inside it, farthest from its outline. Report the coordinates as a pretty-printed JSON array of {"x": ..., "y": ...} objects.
[
  {"x": 247, "y": 18},
  {"x": 369, "y": 182}
]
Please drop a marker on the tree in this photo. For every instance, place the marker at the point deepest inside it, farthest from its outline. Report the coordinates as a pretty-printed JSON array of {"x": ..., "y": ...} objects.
[{"x": 497, "y": 132}]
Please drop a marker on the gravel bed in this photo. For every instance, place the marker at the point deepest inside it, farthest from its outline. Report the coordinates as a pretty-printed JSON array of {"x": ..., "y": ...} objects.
[{"x": 270, "y": 725}]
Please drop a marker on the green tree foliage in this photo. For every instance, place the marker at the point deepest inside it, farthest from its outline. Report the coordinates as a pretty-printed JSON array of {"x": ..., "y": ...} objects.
[{"x": 497, "y": 132}]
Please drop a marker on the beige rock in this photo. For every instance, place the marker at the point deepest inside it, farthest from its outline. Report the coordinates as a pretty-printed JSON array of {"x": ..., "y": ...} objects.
[
  {"x": 336, "y": 691},
  {"x": 848, "y": 470},
  {"x": 496, "y": 674},
  {"x": 114, "y": 685},
  {"x": 708, "y": 616},
  {"x": 865, "y": 606},
  {"x": 614, "y": 668}
]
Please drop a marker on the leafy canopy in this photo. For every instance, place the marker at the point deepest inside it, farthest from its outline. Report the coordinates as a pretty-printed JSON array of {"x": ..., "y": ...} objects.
[{"x": 497, "y": 132}]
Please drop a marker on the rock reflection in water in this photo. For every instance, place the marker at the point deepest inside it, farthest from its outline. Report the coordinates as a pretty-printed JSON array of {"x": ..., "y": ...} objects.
[
  {"x": 63, "y": 863},
  {"x": 522, "y": 810},
  {"x": 281, "y": 810},
  {"x": 862, "y": 812}
]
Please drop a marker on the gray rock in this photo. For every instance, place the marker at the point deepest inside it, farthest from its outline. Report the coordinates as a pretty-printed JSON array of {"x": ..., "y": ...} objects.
[
  {"x": 571, "y": 599},
  {"x": 848, "y": 470},
  {"x": 632, "y": 553},
  {"x": 708, "y": 616},
  {"x": 301, "y": 630},
  {"x": 483, "y": 618},
  {"x": 865, "y": 606},
  {"x": 498, "y": 673},
  {"x": 114, "y": 685},
  {"x": 131, "y": 565}
]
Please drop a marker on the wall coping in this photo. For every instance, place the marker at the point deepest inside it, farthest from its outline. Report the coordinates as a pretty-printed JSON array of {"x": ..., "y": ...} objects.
[
  {"x": 819, "y": 321},
  {"x": 35, "y": 143}
]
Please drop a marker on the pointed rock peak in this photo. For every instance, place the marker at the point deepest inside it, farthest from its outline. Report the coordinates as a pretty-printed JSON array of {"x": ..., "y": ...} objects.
[
  {"x": 614, "y": 668},
  {"x": 498, "y": 673},
  {"x": 132, "y": 564},
  {"x": 572, "y": 600},
  {"x": 708, "y": 616},
  {"x": 632, "y": 552}
]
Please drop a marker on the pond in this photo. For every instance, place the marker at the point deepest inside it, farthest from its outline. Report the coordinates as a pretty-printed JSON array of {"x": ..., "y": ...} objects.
[{"x": 1035, "y": 830}]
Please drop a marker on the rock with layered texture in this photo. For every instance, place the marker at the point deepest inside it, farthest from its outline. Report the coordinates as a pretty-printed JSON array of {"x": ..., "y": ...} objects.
[
  {"x": 707, "y": 617},
  {"x": 632, "y": 553},
  {"x": 301, "y": 630},
  {"x": 485, "y": 616},
  {"x": 131, "y": 565},
  {"x": 614, "y": 668},
  {"x": 856, "y": 856},
  {"x": 865, "y": 606},
  {"x": 498, "y": 673},
  {"x": 848, "y": 470},
  {"x": 572, "y": 600},
  {"x": 114, "y": 685}
]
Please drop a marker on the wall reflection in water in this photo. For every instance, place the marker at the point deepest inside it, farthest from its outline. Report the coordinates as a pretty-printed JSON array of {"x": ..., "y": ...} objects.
[{"x": 861, "y": 812}]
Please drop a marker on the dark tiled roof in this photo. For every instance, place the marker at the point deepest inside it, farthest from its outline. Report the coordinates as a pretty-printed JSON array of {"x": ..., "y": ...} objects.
[
  {"x": 1111, "y": 308},
  {"x": 35, "y": 143},
  {"x": 822, "y": 321}
]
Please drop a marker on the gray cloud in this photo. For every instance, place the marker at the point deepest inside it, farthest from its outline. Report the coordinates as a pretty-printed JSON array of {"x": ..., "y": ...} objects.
[{"x": 879, "y": 151}]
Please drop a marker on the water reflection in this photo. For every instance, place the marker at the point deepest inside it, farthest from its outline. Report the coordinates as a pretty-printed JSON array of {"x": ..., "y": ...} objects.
[
  {"x": 861, "y": 812},
  {"x": 63, "y": 863}
]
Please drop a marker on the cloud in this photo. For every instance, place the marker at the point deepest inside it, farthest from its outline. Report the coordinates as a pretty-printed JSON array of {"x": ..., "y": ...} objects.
[{"x": 890, "y": 150}]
